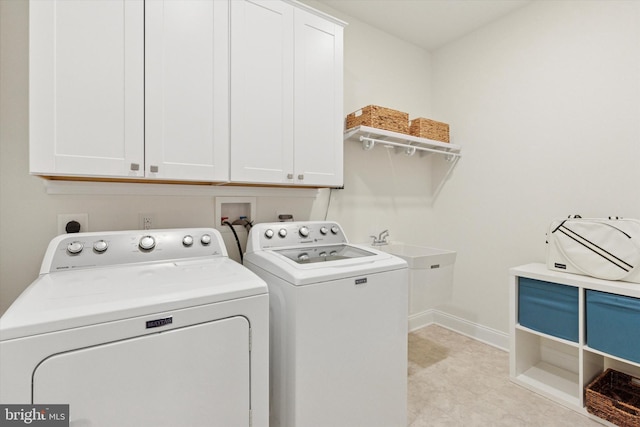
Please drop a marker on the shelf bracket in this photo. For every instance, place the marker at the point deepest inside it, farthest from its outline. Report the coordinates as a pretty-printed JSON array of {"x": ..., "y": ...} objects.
[{"x": 368, "y": 143}]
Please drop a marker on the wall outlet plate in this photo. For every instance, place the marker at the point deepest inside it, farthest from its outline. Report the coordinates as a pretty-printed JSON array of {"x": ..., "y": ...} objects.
[
  {"x": 146, "y": 221},
  {"x": 81, "y": 218}
]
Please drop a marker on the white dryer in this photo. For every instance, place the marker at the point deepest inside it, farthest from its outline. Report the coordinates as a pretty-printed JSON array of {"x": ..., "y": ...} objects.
[
  {"x": 338, "y": 337},
  {"x": 140, "y": 328}
]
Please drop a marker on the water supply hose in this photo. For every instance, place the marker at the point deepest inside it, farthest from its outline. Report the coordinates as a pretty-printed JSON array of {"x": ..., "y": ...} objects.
[{"x": 237, "y": 239}]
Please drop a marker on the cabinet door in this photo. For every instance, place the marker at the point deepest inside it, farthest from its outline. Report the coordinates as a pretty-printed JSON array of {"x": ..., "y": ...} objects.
[
  {"x": 86, "y": 101},
  {"x": 318, "y": 101},
  {"x": 187, "y": 90},
  {"x": 261, "y": 91}
]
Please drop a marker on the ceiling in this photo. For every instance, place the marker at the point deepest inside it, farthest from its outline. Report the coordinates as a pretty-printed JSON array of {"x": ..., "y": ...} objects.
[{"x": 429, "y": 24}]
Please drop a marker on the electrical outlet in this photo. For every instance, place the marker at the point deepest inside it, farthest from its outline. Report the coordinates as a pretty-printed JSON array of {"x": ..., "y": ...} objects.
[
  {"x": 146, "y": 221},
  {"x": 64, "y": 219}
]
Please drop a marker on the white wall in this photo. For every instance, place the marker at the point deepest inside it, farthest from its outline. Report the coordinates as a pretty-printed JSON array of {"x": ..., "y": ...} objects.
[
  {"x": 383, "y": 189},
  {"x": 29, "y": 216},
  {"x": 546, "y": 103}
]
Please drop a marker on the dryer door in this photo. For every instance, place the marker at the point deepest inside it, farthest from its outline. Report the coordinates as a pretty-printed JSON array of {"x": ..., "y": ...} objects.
[{"x": 192, "y": 376}]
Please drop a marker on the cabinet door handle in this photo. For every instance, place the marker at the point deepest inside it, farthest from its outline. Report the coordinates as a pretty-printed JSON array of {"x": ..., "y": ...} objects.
[
  {"x": 153, "y": 168},
  {"x": 135, "y": 166},
  {"x": 301, "y": 177},
  {"x": 289, "y": 176}
]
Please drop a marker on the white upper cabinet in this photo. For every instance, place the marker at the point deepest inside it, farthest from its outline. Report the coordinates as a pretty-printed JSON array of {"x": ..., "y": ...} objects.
[
  {"x": 128, "y": 89},
  {"x": 286, "y": 95},
  {"x": 261, "y": 91},
  {"x": 86, "y": 97},
  {"x": 319, "y": 119},
  {"x": 247, "y": 91},
  {"x": 187, "y": 90}
]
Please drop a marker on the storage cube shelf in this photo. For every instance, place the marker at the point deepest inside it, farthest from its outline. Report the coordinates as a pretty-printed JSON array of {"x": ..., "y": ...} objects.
[
  {"x": 548, "y": 308},
  {"x": 548, "y": 365},
  {"x": 612, "y": 323},
  {"x": 548, "y": 360}
]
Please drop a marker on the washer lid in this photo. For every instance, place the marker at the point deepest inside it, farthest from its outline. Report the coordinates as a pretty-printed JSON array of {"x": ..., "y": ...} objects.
[
  {"x": 310, "y": 255},
  {"x": 353, "y": 261},
  {"x": 71, "y": 299}
]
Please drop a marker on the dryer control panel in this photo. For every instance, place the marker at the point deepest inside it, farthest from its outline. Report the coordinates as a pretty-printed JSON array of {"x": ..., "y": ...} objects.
[
  {"x": 102, "y": 249},
  {"x": 293, "y": 234}
]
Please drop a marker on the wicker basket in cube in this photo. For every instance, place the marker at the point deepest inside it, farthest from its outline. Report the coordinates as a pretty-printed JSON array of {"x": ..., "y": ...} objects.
[
  {"x": 380, "y": 118},
  {"x": 430, "y": 129},
  {"x": 615, "y": 397}
]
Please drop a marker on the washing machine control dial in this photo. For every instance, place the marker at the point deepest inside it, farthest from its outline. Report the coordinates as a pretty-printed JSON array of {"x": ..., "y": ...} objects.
[
  {"x": 268, "y": 233},
  {"x": 335, "y": 229},
  {"x": 324, "y": 230},
  {"x": 100, "y": 246},
  {"x": 187, "y": 240},
  {"x": 304, "y": 231},
  {"x": 75, "y": 248},
  {"x": 147, "y": 243},
  {"x": 205, "y": 239},
  {"x": 282, "y": 233}
]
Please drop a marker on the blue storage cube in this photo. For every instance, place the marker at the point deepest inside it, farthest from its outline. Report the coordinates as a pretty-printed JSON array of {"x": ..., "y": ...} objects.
[
  {"x": 613, "y": 324},
  {"x": 548, "y": 307}
]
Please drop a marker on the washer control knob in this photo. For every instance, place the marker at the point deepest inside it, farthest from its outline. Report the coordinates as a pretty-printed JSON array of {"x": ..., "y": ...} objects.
[
  {"x": 268, "y": 233},
  {"x": 187, "y": 240},
  {"x": 282, "y": 233},
  {"x": 205, "y": 239},
  {"x": 100, "y": 246},
  {"x": 324, "y": 230},
  {"x": 335, "y": 229},
  {"x": 147, "y": 243},
  {"x": 304, "y": 231},
  {"x": 74, "y": 248},
  {"x": 303, "y": 257}
]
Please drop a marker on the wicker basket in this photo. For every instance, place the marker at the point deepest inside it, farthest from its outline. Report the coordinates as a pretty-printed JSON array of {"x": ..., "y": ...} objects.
[
  {"x": 380, "y": 118},
  {"x": 615, "y": 397},
  {"x": 430, "y": 129}
]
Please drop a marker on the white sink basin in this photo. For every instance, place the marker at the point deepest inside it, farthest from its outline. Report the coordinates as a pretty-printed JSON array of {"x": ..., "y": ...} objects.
[{"x": 420, "y": 256}]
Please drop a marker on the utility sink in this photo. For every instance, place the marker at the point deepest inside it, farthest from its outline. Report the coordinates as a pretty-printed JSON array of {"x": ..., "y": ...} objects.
[
  {"x": 430, "y": 279},
  {"x": 420, "y": 257}
]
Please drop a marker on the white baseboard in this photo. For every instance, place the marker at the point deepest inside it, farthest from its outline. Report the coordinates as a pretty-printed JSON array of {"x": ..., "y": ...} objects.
[
  {"x": 462, "y": 326},
  {"x": 422, "y": 319}
]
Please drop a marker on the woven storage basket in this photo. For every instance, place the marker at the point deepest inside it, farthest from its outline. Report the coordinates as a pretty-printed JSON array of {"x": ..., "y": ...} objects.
[
  {"x": 430, "y": 129},
  {"x": 615, "y": 397},
  {"x": 380, "y": 118}
]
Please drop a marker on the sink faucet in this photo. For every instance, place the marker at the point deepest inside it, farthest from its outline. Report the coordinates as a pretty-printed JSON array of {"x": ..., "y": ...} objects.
[{"x": 381, "y": 239}]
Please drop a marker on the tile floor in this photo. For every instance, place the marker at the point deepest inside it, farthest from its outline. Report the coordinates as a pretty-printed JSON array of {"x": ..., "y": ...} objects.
[{"x": 458, "y": 381}]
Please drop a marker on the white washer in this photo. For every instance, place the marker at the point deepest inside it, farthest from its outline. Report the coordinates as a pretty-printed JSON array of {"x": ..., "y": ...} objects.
[
  {"x": 140, "y": 328},
  {"x": 338, "y": 337}
]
